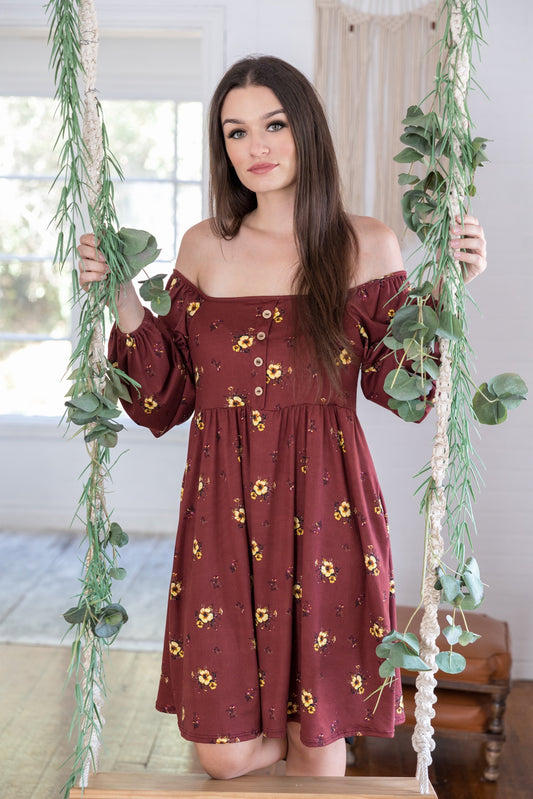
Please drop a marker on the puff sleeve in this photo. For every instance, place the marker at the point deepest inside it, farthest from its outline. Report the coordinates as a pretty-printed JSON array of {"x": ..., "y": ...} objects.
[
  {"x": 377, "y": 303},
  {"x": 156, "y": 355}
]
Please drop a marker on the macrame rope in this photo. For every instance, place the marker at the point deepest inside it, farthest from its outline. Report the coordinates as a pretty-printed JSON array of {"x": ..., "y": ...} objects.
[
  {"x": 423, "y": 743},
  {"x": 92, "y": 137}
]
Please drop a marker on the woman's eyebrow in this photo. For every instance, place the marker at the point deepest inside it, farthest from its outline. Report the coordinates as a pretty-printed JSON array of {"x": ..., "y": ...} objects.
[{"x": 265, "y": 116}]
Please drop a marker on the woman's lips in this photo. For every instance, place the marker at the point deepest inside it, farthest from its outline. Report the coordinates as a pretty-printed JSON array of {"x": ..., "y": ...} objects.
[{"x": 262, "y": 169}]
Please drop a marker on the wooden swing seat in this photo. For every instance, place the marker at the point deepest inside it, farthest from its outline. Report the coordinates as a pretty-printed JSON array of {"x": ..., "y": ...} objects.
[{"x": 168, "y": 786}]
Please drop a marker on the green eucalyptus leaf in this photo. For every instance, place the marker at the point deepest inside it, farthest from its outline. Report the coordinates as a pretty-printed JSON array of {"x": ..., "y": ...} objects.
[
  {"x": 450, "y": 587},
  {"x": 405, "y": 179},
  {"x": 117, "y": 573},
  {"x": 408, "y": 156},
  {"x": 422, "y": 291},
  {"x": 109, "y": 440},
  {"x": 117, "y": 536},
  {"x": 472, "y": 580},
  {"x": 431, "y": 367},
  {"x": 449, "y": 326},
  {"x": 450, "y": 662},
  {"x": 391, "y": 343},
  {"x": 487, "y": 407},
  {"x": 418, "y": 141},
  {"x": 468, "y": 637},
  {"x": 77, "y": 615},
  {"x": 508, "y": 386},
  {"x": 467, "y": 602},
  {"x": 86, "y": 402},
  {"x": 383, "y": 650},
  {"x": 414, "y": 112},
  {"x": 81, "y": 417},
  {"x": 161, "y": 304},
  {"x": 408, "y": 410},
  {"x": 403, "y": 658},
  {"x": 386, "y": 669},
  {"x": 133, "y": 241},
  {"x": 401, "y": 385},
  {"x": 452, "y": 633}
]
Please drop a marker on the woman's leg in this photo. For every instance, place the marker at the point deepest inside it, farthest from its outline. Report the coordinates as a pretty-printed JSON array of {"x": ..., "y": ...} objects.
[
  {"x": 314, "y": 761},
  {"x": 225, "y": 761}
]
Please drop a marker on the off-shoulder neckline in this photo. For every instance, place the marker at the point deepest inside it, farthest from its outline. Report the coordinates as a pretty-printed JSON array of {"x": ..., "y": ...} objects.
[{"x": 270, "y": 297}]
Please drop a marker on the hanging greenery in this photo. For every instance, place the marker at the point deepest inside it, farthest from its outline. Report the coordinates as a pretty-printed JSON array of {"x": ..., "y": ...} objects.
[
  {"x": 87, "y": 198},
  {"x": 443, "y": 159}
]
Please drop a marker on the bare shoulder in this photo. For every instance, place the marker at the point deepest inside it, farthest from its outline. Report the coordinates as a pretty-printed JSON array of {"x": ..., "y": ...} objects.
[
  {"x": 197, "y": 247},
  {"x": 379, "y": 250}
]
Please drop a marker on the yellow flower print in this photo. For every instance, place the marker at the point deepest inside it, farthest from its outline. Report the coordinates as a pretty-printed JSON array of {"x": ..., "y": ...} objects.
[
  {"x": 261, "y": 489},
  {"x": 400, "y": 707},
  {"x": 322, "y": 640},
  {"x": 204, "y": 616},
  {"x": 149, "y": 404},
  {"x": 273, "y": 371},
  {"x": 239, "y": 514},
  {"x": 327, "y": 570},
  {"x": 392, "y": 587},
  {"x": 130, "y": 341},
  {"x": 308, "y": 701},
  {"x": 175, "y": 649},
  {"x": 277, "y": 316},
  {"x": 292, "y": 707},
  {"x": 257, "y": 551},
  {"x": 377, "y": 630},
  {"x": 391, "y": 313},
  {"x": 261, "y": 677},
  {"x": 192, "y": 308},
  {"x": 344, "y": 357},
  {"x": 205, "y": 679},
  {"x": 203, "y": 482},
  {"x": 297, "y": 591},
  {"x": 371, "y": 563},
  {"x": 198, "y": 420},
  {"x": 342, "y": 510},
  {"x": 223, "y": 739},
  {"x": 175, "y": 589},
  {"x": 362, "y": 331},
  {"x": 357, "y": 685},
  {"x": 258, "y": 420},
  {"x": 378, "y": 507},
  {"x": 245, "y": 342},
  {"x": 235, "y": 401},
  {"x": 173, "y": 282},
  {"x": 298, "y": 525},
  {"x": 197, "y": 549}
]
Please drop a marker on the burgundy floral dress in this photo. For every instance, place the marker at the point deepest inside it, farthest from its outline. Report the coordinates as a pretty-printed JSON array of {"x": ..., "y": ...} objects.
[{"x": 282, "y": 583}]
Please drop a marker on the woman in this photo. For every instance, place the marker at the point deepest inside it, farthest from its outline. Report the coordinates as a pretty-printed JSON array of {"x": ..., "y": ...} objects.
[{"x": 282, "y": 583}]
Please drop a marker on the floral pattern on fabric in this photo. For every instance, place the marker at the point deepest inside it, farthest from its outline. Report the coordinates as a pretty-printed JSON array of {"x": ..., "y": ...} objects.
[{"x": 282, "y": 582}]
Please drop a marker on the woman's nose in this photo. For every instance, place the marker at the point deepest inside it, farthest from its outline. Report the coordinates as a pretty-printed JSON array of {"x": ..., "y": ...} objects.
[{"x": 258, "y": 145}]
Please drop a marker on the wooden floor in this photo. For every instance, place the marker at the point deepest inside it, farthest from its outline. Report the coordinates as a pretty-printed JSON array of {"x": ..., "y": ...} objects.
[{"x": 38, "y": 573}]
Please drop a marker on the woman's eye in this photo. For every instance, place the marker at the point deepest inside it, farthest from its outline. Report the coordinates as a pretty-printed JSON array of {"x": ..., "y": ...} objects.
[
  {"x": 276, "y": 126},
  {"x": 236, "y": 134}
]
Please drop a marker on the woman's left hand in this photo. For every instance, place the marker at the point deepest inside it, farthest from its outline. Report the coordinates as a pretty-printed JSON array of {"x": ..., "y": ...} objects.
[{"x": 468, "y": 241}]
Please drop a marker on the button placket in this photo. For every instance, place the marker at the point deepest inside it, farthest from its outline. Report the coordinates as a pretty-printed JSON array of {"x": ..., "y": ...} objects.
[{"x": 259, "y": 360}]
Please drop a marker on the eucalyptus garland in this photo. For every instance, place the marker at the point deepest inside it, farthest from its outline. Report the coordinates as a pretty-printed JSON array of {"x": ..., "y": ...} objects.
[
  {"x": 442, "y": 158},
  {"x": 96, "y": 384}
]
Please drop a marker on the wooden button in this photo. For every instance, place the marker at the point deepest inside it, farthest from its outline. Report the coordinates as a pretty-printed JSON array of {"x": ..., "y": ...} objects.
[
  {"x": 261, "y": 335},
  {"x": 258, "y": 391}
]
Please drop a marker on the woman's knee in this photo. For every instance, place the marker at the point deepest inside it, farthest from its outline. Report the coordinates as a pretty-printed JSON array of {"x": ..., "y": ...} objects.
[{"x": 224, "y": 761}]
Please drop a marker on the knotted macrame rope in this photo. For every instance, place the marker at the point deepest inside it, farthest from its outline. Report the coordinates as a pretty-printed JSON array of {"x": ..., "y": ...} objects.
[
  {"x": 92, "y": 137},
  {"x": 423, "y": 743}
]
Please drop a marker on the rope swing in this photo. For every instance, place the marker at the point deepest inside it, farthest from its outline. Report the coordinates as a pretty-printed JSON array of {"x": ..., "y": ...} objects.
[
  {"x": 439, "y": 139},
  {"x": 423, "y": 743}
]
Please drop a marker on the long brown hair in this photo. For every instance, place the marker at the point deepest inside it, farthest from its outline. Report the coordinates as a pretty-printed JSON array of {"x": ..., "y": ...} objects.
[{"x": 325, "y": 240}]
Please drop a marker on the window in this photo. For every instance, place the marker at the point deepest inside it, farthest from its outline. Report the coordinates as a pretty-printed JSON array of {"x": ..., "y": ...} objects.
[{"x": 157, "y": 139}]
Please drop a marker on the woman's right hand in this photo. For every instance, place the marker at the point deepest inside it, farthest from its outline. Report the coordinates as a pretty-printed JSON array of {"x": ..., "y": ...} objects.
[{"x": 93, "y": 268}]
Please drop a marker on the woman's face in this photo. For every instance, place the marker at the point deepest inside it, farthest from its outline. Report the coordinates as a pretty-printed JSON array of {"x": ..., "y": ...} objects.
[{"x": 258, "y": 139}]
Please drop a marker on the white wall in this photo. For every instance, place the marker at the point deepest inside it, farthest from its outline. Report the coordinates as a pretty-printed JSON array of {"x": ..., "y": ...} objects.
[{"x": 39, "y": 486}]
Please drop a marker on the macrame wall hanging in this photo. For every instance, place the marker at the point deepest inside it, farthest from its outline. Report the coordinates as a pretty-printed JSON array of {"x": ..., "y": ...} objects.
[
  {"x": 372, "y": 59},
  {"x": 439, "y": 143}
]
